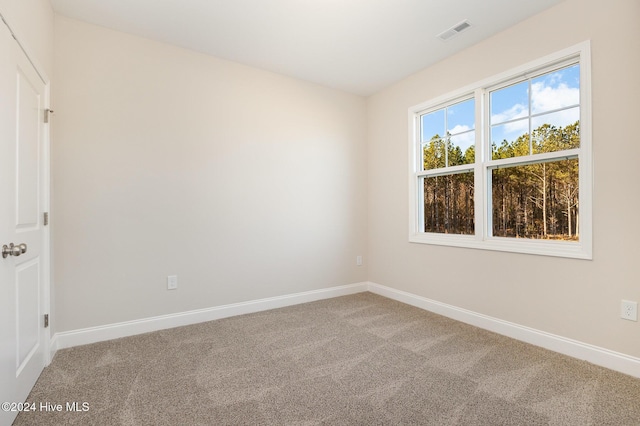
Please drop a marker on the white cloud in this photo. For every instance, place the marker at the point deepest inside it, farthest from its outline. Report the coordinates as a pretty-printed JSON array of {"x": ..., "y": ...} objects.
[
  {"x": 547, "y": 98},
  {"x": 459, "y": 128},
  {"x": 464, "y": 140},
  {"x": 516, "y": 111}
]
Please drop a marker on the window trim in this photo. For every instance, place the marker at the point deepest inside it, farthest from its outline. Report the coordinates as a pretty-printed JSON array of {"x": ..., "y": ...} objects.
[{"x": 483, "y": 238}]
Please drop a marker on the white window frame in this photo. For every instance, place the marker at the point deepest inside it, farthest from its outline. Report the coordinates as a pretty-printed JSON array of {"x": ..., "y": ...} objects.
[{"x": 483, "y": 238}]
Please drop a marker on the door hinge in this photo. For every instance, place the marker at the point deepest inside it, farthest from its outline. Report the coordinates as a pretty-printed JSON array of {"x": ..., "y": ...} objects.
[
  {"x": 46, "y": 114},
  {"x": 46, "y": 218},
  {"x": 46, "y": 320}
]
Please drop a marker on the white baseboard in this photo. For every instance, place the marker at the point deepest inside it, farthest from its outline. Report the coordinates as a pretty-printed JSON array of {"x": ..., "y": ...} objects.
[
  {"x": 67, "y": 339},
  {"x": 596, "y": 355}
]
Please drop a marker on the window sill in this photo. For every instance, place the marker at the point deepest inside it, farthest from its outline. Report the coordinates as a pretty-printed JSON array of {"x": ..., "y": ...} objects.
[{"x": 574, "y": 250}]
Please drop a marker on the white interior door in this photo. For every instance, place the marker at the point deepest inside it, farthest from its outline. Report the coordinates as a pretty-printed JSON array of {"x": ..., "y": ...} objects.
[{"x": 23, "y": 269}]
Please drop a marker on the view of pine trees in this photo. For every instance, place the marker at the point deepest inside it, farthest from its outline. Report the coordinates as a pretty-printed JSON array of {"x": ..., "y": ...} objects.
[{"x": 537, "y": 201}]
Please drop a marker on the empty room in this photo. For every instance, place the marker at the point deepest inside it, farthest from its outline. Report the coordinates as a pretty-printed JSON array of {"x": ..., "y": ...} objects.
[{"x": 319, "y": 212}]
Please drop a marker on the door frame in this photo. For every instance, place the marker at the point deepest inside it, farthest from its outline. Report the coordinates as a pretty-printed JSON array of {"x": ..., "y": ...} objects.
[{"x": 45, "y": 185}]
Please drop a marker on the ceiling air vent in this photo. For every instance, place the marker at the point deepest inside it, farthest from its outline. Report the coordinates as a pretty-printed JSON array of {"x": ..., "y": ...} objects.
[{"x": 455, "y": 30}]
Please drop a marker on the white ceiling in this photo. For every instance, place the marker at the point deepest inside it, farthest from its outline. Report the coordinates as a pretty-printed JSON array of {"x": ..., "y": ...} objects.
[{"x": 359, "y": 46}]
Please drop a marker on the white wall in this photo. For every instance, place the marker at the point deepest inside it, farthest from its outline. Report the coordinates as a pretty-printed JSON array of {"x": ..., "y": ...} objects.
[
  {"x": 577, "y": 299},
  {"x": 244, "y": 183},
  {"x": 32, "y": 22}
]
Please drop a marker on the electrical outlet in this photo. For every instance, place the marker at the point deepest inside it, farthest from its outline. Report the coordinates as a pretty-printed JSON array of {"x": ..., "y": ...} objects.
[
  {"x": 359, "y": 260},
  {"x": 172, "y": 282},
  {"x": 629, "y": 310}
]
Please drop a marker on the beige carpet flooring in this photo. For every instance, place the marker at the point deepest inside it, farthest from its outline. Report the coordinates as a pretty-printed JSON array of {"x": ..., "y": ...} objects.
[{"x": 353, "y": 360}]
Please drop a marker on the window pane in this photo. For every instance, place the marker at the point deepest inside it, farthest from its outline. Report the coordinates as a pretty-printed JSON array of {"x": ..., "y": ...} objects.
[
  {"x": 462, "y": 149},
  {"x": 555, "y": 90},
  {"x": 510, "y": 103},
  {"x": 448, "y": 204},
  {"x": 556, "y": 131},
  {"x": 432, "y": 125},
  {"x": 461, "y": 117},
  {"x": 537, "y": 201},
  {"x": 510, "y": 140},
  {"x": 433, "y": 154}
]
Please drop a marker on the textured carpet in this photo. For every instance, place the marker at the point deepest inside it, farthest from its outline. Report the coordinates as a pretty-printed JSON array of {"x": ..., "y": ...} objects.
[{"x": 359, "y": 359}]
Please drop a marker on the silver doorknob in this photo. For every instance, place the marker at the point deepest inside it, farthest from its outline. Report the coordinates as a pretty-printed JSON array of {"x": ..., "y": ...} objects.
[{"x": 13, "y": 250}]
